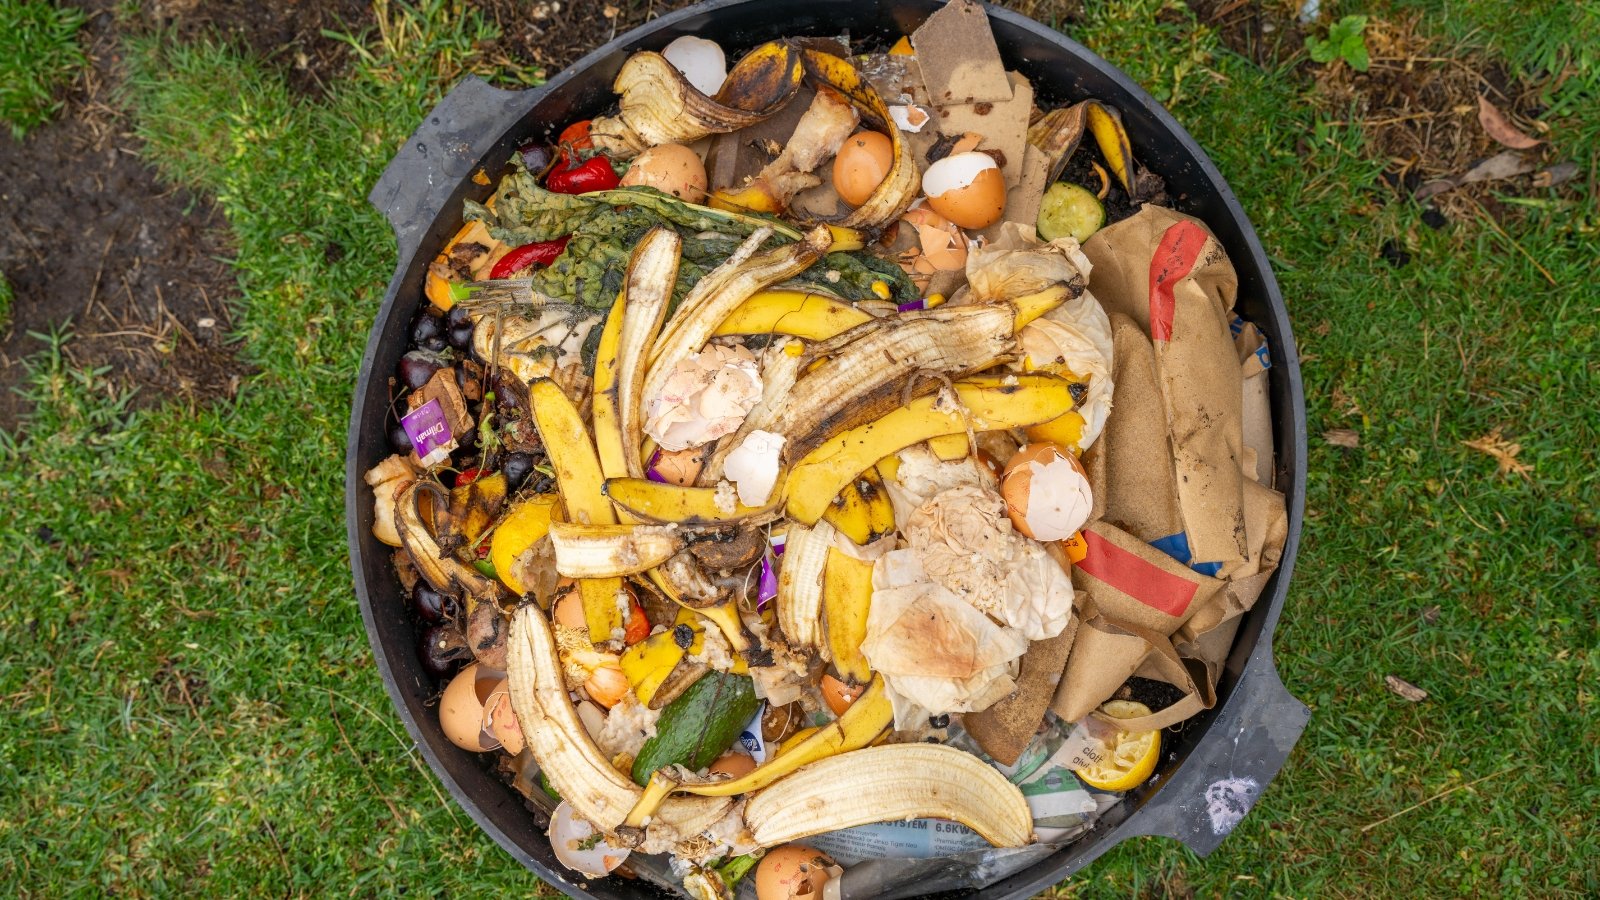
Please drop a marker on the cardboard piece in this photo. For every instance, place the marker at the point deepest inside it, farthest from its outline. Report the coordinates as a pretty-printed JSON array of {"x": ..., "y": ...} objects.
[
  {"x": 1167, "y": 272},
  {"x": 1003, "y": 124},
  {"x": 1024, "y": 198},
  {"x": 1005, "y": 729},
  {"x": 1133, "y": 583},
  {"x": 956, "y": 53}
]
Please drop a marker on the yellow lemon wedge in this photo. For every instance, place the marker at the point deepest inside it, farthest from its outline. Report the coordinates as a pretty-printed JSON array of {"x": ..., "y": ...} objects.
[{"x": 1131, "y": 757}]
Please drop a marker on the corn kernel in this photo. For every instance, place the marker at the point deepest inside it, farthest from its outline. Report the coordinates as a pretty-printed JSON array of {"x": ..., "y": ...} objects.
[{"x": 881, "y": 289}]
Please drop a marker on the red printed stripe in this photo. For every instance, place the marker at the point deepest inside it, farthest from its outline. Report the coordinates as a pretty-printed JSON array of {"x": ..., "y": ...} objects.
[
  {"x": 1175, "y": 256},
  {"x": 1143, "y": 581}
]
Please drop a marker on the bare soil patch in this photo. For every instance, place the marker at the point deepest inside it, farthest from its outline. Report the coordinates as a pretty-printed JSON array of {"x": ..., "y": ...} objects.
[
  {"x": 90, "y": 237},
  {"x": 286, "y": 33}
]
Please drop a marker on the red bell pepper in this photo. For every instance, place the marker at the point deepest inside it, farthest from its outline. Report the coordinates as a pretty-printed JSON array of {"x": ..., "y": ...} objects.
[
  {"x": 539, "y": 253},
  {"x": 594, "y": 174}
]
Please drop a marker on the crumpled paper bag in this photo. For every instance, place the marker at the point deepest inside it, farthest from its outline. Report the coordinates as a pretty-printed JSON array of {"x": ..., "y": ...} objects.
[
  {"x": 1168, "y": 273},
  {"x": 1105, "y": 654}
]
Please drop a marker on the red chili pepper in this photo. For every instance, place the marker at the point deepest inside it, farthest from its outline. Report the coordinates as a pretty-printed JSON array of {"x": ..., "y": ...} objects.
[
  {"x": 539, "y": 253},
  {"x": 594, "y": 174},
  {"x": 468, "y": 476}
]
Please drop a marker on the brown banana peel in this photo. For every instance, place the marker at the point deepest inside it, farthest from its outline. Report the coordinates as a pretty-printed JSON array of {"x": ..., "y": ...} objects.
[
  {"x": 660, "y": 106},
  {"x": 1059, "y": 131}
]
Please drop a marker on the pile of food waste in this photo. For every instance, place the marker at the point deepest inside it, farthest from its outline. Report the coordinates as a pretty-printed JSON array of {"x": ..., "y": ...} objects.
[{"x": 827, "y": 440}]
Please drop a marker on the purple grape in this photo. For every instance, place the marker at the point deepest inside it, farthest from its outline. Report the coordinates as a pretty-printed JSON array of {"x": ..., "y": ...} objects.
[
  {"x": 417, "y": 367},
  {"x": 517, "y": 468},
  {"x": 461, "y": 336},
  {"x": 536, "y": 157},
  {"x": 442, "y": 650},
  {"x": 435, "y": 344},
  {"x": 426, "y": 328},
  {"x": 432, "y": 606},
  {"x": 398, "y": 439},
  {"x": 456, "y": 316}
]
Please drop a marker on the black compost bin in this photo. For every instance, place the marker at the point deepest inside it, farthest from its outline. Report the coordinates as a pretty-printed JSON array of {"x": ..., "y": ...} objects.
[{"x": 1219, "y": 762}]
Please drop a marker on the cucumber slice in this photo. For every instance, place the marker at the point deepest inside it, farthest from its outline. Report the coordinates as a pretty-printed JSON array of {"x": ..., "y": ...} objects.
[{"x": 1070, "y": 211}]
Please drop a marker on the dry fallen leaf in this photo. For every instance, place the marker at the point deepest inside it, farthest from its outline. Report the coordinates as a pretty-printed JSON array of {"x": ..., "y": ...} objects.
[
  {"x": 1342, "y": 437},
  {"x": 1405, "y": 689},
  {"x": 1504, "y": 452},
  {"x": 1500, "y": 166},
  {"x": 1559, "y": 173},
  {"x": 1496, "y": 125}
]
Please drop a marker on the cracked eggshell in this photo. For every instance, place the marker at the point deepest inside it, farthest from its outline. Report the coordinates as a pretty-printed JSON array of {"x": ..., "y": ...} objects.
[
  {"x": 461, "y": 708},
  {"x": 702, "y": 62},
  {"x": 966, "y": 188},
  {"x": 706, "y": 396},
  {"x": 793, "y": 871},
  {"x": 753, "y": 466},
  {"x": 580, "y": 847},
  {"x": 670, "y": 168},
  {"x": 944, "y": 247},
  {"x": 1047, "y": 492}
]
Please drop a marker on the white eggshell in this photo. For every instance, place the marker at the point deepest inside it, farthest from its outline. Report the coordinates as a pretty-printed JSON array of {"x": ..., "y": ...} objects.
[
  {"x": 955, "y": 172},
  {"x": 568, "y": 834}
]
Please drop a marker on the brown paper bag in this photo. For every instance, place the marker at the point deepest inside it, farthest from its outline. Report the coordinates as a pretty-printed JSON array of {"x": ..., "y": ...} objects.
[
  {"x": 1254, "y": 361},
  {"x": 1130, "y": 467},
  {"x": 1168, "y": 273},
  {"x": 1208, "y": 635},
  {"x": 1105, "y": 654},
  {"x": 1134, "y": 583}
]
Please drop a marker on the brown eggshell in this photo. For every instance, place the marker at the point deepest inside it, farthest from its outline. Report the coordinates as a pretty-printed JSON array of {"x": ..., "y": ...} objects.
[
  {"x": 733, "y": 764},
  {"x": 839, "y": 695},
  {"x": 672, "y": 168},
  {"x": 461, "y": 711},
  {"x": 792, "y": 871},
  {"x": 862, "y": 164},
  {"x": 978, "y": 205},
  {"x": 569, "y": 605},
  {"x": 1016, "y": 486},
  {"x": 680, "y": 467}
]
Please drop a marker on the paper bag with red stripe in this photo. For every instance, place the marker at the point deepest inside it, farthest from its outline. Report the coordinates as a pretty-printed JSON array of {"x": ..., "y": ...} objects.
[
  {"x": 1106, "y": 653},
  {"x": 1130, "y": 467},
  {"x": 1167, "y": 272},
  {"x": 1133, "y": 582}
]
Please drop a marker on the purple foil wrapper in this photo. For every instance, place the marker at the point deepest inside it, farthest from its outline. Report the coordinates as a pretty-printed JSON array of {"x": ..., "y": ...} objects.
[
  {"x": 767, "y": 588},
  {"x": 778, "y": 541},
  {"x": 429, "y": 432},
  {"x": 913, "y": 306},
  {"x": 650, "y": 470}
]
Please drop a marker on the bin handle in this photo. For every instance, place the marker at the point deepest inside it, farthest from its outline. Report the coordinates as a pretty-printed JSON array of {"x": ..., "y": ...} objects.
[
  {"x": 1203, "y": 803},
  {"x": 442, "y": 152}
]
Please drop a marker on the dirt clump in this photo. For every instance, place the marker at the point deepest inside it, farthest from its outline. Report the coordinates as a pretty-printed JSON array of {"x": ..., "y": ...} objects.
[{"x": 91, "y": 239}]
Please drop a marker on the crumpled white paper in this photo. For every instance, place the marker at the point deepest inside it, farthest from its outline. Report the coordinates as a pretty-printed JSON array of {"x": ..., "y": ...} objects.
[{"x": 936, "y": 652}]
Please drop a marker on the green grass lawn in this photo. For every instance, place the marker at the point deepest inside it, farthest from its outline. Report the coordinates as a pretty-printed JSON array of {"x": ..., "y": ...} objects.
[{"x": 188, "y": 704}]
